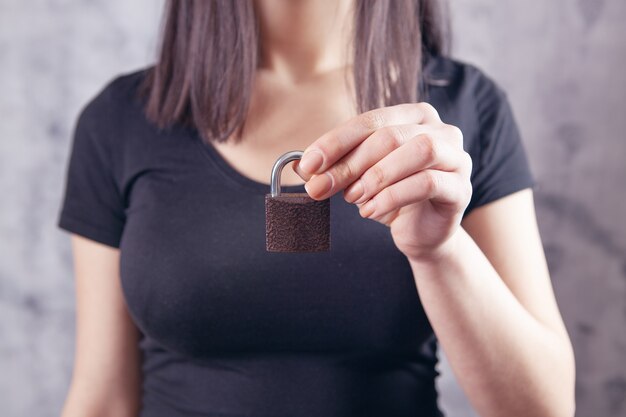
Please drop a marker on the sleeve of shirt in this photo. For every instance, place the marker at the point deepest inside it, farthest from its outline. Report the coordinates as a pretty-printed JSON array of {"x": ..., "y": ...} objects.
[
  {"x": 92, "y": 204},
  {"x": 502, "y": 167}
]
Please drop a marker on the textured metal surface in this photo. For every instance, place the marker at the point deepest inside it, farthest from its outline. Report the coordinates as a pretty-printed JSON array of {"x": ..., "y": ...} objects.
[{"x": 294, "y": 222}]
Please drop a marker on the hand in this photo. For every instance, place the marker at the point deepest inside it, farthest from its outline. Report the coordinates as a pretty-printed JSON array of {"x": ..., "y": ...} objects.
[{"x": 403, "y": 167}]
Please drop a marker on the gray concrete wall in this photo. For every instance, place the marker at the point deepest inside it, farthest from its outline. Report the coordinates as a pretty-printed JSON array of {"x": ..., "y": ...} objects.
[{"x": 562, "y": 63}]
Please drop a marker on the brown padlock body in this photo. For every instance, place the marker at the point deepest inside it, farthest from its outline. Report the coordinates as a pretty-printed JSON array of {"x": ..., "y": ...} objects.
[{"x": 294, "y": 222}]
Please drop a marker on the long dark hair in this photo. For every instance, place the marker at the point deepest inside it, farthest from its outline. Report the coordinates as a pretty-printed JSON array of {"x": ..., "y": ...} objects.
[{"x": 209, "y": 52}]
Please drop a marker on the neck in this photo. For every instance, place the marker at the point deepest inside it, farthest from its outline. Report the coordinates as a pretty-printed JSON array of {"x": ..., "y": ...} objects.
[{"x": 304, "y": 38}]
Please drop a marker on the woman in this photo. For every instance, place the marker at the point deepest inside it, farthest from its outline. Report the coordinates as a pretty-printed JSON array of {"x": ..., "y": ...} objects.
[{"x": 182, "y": 312}]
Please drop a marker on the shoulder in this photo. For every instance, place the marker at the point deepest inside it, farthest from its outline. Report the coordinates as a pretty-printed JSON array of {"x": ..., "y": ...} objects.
[
  {"x": 465, "y": 96},
  {"x": 458, "y": 78},
  {"x": 123, "y": 87},
  {"x": 110, "y": 122},
  {"x": 119, "y": 98}
]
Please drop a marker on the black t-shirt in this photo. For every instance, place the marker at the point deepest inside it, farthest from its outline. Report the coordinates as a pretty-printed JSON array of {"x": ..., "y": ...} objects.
[{"x": 229, "y": 329}]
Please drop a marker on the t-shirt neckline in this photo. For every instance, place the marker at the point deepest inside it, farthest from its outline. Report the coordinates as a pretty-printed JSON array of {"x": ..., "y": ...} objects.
[{"x": 237, "y": 177}]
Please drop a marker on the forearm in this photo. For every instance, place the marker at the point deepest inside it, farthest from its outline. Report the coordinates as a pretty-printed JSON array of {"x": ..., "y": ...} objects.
[
  {"x": 507, "y": 361},
  {"x": 84, "y": 399}
]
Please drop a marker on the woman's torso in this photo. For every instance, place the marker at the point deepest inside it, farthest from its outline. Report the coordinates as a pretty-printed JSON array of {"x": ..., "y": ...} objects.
[{"x": 229, "y": 329}]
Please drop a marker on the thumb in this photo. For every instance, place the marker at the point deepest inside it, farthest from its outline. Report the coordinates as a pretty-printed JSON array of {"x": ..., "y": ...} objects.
[{"x": 296, "y": 168}]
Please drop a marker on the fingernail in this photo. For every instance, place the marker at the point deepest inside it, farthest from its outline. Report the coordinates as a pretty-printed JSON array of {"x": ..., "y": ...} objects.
[
  {"x": 311, "y": 161},
  {"x": 354, "y": 192},
  {"x": 319, "y": 185},
  {"x": 368, "y": 208}
]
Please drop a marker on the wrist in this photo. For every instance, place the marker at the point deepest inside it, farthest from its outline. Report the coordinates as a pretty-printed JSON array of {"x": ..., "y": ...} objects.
[{"x": 442, "y": 254}]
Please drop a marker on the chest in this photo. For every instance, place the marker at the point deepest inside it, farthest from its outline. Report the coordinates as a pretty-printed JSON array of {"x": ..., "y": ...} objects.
[
  {"x": 283, "y": 118},
  {"x": 198, "y": 280},
  {"x": 194, "y": 269}
]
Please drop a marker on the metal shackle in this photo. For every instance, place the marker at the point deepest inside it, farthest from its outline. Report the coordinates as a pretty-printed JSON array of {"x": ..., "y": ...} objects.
[{"x": 278, "y": 168}]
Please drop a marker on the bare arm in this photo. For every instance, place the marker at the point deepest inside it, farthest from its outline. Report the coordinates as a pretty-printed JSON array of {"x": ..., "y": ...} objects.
[
  {"x": 483, "y": 280},
  {"x": 106, "y": 375},
  {"x": 493, "y": 310}
]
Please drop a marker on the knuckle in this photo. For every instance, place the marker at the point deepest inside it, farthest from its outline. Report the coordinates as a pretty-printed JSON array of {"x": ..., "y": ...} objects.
[
  {"x": 428, "y": 147},
  {"x": 428, "y": 109},
  {"x": 426, "y": 106},
  {"x": 454, "y": 133},
  {"x": 342, "y": 171},
  {"x": 333, "y": 145},
  {"x": 462, "y": 195},
  {"x": 375, "y": 176},
  {"x": 372, "y": 120},
  {"x": 468, "y": 163},
  {"x": 392, "y": 137},
  {"x": 467, "y": 191},
  {"x": 390, "y": 198},
  {"x": 430, "y": 183},
  {"x": 330, "y": 146}
]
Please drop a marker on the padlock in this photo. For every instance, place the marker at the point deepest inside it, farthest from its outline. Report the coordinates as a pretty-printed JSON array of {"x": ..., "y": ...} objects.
[{"x": 294, "y": 222}]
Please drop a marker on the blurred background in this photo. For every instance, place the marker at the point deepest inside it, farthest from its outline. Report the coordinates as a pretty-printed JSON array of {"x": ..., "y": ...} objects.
[{"x": 562, "y": 63}]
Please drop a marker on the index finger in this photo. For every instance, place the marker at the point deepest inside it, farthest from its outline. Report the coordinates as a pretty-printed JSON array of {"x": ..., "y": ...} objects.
[{"x": 334, "y": 144}]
